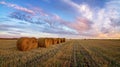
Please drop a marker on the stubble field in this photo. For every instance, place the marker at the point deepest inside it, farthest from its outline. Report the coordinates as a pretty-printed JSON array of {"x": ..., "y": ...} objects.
[{"x": 72, "y": 53}]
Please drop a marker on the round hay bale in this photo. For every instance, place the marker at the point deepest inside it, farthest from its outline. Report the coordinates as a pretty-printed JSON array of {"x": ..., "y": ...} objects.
[
  {"x": 63, "y": 39},
  {"x": 55, "y": 41},
  {"x": 23, "y": 43},
  {"x": 52, "y": 39},
  {"x": 41, "y": 42},
  {"x": 58, "y": 41},
  {"x": 33, "y": 43},
  {"x": 48, "y": 41}
]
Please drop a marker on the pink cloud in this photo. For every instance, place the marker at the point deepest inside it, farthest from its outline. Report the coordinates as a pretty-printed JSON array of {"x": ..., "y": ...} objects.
[
  {"x": 39, "y": 11},
  {"x": 17, "y": 7},
  {"x": 80, "y": 24}
]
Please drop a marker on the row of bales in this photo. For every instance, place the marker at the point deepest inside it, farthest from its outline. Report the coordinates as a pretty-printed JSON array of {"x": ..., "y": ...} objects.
[{"x": 25, "y": 43}]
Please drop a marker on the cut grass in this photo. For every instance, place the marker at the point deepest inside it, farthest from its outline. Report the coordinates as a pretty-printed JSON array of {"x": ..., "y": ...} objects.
[
  {"x": 73, "y": 53},
  {"x": 105, "y": 52}
]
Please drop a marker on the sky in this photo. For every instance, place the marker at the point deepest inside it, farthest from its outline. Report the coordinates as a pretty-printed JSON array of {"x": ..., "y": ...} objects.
[{"x": 60, "y": 18}]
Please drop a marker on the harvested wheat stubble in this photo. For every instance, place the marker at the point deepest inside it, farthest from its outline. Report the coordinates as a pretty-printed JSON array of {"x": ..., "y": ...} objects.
[
  {"x": 25, "y": 43},
  {"x": 45, "y": 42}
]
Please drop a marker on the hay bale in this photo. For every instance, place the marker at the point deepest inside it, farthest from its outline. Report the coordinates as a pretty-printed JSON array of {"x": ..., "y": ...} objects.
[
  {"x": 51, "y": 41},
  {"x": 64, "y": 40},
  {"x": 41, "y": 42},
  {"x": 55, "y": 41},
  {"x": 45, "y": 42},
  {"x": 33, "y": 42},
  {"x": 23, "y": 43},
  {"x": 59, "y": 40}
]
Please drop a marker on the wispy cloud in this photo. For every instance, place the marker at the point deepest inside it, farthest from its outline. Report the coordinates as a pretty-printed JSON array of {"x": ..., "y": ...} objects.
[
  {"x": 89, "y": 22},
  {"x": 24, "y": 17},
  {"x": 15, "y": 6},
  {"x": 105, "y": 21},
  {"x": 83, "y": 9},
  {"x": 81, "y": 24},
  {"x": 51, "y": 23}
]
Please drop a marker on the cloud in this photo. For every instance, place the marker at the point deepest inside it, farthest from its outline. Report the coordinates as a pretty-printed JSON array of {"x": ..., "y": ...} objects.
[
  {"x": 7, "y": 27},
  {"x": 4, "y": 19},
  {"x": 108, "y": 18},
  {"x": 58, "y": 31},
  {"x": 40, "y": 16},
  {"x": 105, "y": 21},
  {"x": 89, "y": 22},
  {"x": 25, "y": 17},
  {"x": 16, "y": 33},
  {"x": 17, "y": 7},
  {"x": 6, "y": 35},
  {"x": 39, "y": 11},
  {"x": 83, "y": 9},
  {"x": 115, "y": 22},
  {"x": 80, "y": 24},
  {"x": 10, "y": 31},
  {"x": 51, "y": 24}
]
